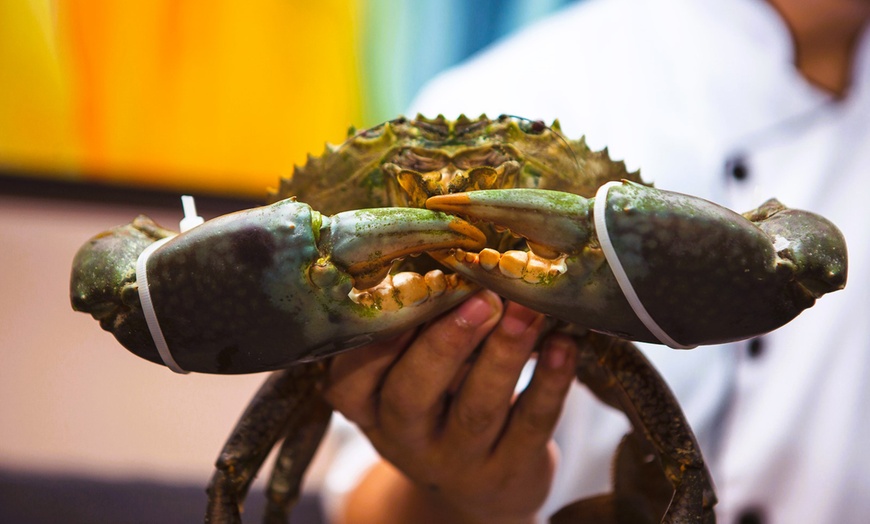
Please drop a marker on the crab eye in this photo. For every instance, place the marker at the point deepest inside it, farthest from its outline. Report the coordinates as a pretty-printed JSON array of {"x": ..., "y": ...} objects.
[{"x": 469, "y": 127}]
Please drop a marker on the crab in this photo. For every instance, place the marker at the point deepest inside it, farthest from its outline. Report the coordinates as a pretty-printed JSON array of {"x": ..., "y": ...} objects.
[{"x": 403, "y": 221}]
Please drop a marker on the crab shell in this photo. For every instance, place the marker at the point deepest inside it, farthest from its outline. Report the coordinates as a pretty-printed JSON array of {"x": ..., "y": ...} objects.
[{"x": 403, "y": 162}]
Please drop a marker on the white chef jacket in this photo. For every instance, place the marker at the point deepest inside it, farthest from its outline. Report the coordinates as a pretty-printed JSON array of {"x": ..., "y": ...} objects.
[{"x": 687, "y": 89}]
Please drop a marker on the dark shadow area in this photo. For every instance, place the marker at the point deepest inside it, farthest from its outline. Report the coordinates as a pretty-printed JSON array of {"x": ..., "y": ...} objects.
[
  {"x": 27, "y": 498},
  {"x": 48, "y": 185}
]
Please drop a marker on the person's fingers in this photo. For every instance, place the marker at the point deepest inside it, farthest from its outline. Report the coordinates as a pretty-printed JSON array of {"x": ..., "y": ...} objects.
[
  {"x": 355, "y": 377},
  {"x": 413, "y": 392},
  {"x": 478, "y": 414},
  {"x": 538, "y": 408}
]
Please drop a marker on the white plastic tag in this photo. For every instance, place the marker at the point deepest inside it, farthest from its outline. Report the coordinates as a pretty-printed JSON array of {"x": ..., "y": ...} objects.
[{"x": 191, "y": 219}]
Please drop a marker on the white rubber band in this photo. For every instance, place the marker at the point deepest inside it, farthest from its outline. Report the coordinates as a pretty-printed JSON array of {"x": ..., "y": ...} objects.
[
  {"x": 190, "y": 221},
  {"x": 148, "y": 307},
  {"x": 619, "y": 272}
]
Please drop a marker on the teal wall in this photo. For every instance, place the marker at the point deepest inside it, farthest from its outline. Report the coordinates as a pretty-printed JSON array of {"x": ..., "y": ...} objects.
[{"x": 406, "y": 42}]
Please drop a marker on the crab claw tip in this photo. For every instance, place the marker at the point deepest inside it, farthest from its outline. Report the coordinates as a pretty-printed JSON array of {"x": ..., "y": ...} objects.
[
  {"x": 366, "y": 242},
  {"x": 554, "y": 222}
]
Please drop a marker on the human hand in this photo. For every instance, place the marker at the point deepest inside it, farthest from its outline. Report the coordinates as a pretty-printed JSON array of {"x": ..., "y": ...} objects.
[{"x": 452, "y": 426}]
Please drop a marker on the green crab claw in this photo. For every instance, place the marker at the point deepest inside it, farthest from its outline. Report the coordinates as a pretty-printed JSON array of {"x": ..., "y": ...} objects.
[
  {"x": 554, "y": 221},
  {"x": 366, "y": 242},
  {"x": 703, "y": 273},
  {"x": 103, "y": 279},
  {"x": 812, "y": 243},
  {"x": 265, "y": 288}
]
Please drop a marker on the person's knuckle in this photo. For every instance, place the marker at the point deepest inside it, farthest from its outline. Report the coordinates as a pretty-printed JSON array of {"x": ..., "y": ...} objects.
[
  {"x": 540, "y": 419},
  {"x": 503, "y": 358},
  {"x": 475, "y": 418},
  {"x": 399, "y": 409},
  {"x": 448, "y": 347}
]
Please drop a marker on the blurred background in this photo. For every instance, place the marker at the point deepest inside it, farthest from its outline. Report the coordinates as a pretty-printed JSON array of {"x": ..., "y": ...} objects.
[{"x": 110, "y": 109}]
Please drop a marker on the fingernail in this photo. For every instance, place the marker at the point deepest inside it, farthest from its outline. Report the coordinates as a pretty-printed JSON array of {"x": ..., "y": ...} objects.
[{"x": 475, "y": 311}]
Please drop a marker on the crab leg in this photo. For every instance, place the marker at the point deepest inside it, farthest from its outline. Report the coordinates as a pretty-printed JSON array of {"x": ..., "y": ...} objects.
[
  {"x": 659, "y": 472},
  {"x": 287, "y": 405},
  {"x": 297, "y": 450},
  {"x": 704, "y": 273}
]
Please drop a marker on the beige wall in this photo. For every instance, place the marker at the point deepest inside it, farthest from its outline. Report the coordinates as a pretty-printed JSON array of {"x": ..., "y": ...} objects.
[{"x": 72, "y": 400}]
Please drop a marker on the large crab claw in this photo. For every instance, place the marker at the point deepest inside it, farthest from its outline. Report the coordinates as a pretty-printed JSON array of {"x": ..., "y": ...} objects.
[
  {"x": 263, "y": 288},
  {"x": 703, "y": 273}
]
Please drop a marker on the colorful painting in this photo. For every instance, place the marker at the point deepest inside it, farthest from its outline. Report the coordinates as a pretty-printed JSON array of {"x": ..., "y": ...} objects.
[{"x": 218, "y": 96}]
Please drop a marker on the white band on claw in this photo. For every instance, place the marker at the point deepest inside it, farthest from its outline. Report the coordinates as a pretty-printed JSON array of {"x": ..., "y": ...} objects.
[
  {"x": 619, "y": 272},
  {"x": 190, "y": 221},
  {"x": 148, "y": 307}
]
